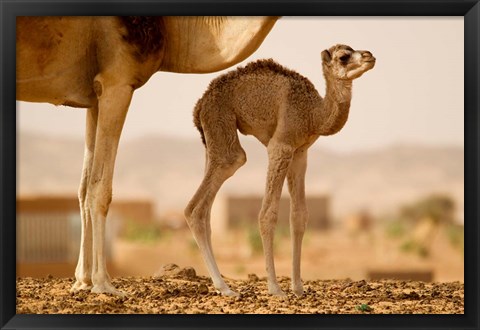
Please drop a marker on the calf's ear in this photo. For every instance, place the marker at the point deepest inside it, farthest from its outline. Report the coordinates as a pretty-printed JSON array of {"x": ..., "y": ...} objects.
[{"x": 326, "y": 56}]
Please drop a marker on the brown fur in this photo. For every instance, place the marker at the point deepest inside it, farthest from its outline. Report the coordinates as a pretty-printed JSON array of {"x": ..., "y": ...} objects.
[
  {"x": 258, "y": 67},
  {"x": 197, "y": 122},
  {"x": 298, "y": 83},
  {"x": 146, "y": 33},
  {"x": 45, "y": 42},
  {"x": 282, "y": 109}
]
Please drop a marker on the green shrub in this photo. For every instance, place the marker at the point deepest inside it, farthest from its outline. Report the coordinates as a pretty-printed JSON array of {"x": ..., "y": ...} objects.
[
  {"x": 456, "y": 237},
  {"x": 254, "y": 240},
  {"x": 142, "y": 233},
  {"x": 410, "y": 246},
  {"x": 395, "y": 229}
]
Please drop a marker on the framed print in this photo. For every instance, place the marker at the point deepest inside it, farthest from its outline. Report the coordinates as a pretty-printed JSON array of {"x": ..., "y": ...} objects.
[{"x": 156, "y": 165}]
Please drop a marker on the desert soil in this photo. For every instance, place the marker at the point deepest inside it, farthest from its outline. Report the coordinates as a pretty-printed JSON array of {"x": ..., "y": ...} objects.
[{"x": 179, "y": 290}]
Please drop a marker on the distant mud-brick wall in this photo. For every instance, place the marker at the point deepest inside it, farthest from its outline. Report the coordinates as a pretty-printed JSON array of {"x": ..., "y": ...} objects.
[
  {"x": 231, "y": 212},
  {"x": 138, "y": 210},
  {"x": 404, "y": 275},
  {"x": 49, "y": 229}
]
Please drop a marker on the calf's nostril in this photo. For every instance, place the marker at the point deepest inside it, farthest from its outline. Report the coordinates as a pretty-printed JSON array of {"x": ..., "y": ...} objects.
[{"x": 367, "y": 54}]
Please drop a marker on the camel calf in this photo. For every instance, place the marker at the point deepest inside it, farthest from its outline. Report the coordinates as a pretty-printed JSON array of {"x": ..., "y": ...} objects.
[{"x": 283, "y": 110}]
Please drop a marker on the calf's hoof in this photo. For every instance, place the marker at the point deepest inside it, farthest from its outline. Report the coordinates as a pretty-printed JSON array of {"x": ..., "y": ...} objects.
[
  {"x": 107, "y": 288},
  {"x": 80, "y": 286}
]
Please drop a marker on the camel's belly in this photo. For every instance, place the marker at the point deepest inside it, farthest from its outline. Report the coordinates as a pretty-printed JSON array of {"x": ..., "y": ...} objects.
[
  {"x": 55, "y": 60},
  {"x": 74, "y": 95},
  {"x": 68, "y": 82}
]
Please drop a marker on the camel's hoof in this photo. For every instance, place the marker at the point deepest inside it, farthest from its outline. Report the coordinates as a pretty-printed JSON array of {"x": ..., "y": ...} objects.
[
  {"x": 298, "y": 292},
  {"x": 276, "y": 291},
  {"x": 227, "y": 292},
  {"x": 297, "y": 289},
  {"x": 108, "y": 288},
  {"x": 80, "y": 285}
]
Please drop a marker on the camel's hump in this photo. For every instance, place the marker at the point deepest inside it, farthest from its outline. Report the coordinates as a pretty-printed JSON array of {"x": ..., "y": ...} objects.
[
  {"x": 259, "y": 67},
  {"x": 267, "y": 65}
]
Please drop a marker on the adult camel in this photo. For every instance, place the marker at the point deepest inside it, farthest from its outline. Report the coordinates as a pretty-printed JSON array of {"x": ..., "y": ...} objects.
[{"x": 97, "y": 63}]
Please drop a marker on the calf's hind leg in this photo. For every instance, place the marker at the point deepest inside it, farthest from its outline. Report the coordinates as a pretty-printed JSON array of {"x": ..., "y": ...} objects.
[{"x": 224, "y": 157}]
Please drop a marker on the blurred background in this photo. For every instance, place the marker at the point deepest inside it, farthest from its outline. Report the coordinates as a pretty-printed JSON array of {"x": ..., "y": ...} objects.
[{"x": 385, "y": 194}]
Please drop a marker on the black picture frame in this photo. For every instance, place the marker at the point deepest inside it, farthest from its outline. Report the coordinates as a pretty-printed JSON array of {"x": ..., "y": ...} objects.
[{"x": 9, "y": 9}]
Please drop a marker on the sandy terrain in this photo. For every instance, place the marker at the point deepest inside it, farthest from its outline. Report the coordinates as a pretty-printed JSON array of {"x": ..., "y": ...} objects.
[
  {"x": 325, "y": 256},
  {"x": 178, "y": 291}
]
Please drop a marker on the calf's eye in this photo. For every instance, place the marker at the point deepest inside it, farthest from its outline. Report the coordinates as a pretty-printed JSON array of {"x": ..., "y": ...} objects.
[{"x": 344, "y": 58}]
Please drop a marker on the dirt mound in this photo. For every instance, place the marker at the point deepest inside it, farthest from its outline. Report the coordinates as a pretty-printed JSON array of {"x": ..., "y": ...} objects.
[
  {"x": 176, "y": 290},
  {"x": 174, "y": 271}
]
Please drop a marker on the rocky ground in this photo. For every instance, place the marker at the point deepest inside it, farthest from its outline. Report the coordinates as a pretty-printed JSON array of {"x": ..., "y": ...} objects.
[{"x": 179, "y": 290}]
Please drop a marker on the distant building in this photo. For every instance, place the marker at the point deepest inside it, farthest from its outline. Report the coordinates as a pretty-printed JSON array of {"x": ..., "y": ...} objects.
[
  {"x": 230, "y": 212},
  {"x": 49, "y": 230},
  {"x": 139, "y": 211},
  {"x": 359, "y": 223}
]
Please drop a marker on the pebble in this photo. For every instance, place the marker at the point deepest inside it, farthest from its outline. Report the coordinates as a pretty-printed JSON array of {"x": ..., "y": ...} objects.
[{"x": 202, "y": 289}]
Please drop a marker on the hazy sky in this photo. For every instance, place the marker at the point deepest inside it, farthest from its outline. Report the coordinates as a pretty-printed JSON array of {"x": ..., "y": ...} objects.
[{"x": 414, "y": 93}]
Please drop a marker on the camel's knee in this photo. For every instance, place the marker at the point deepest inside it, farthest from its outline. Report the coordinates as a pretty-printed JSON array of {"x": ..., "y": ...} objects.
[
  {"x": 232, "y": 162},
  {"x": 267, "y": 221},
  {"x": 82, "y": 194},
  {"x": 299, "y": 220},
  {"x": 194, "y": 218},
  {"x": 194, "y": 213},
  {"x": 188, "y": 212},
  {"x": 99, "y": 200}
]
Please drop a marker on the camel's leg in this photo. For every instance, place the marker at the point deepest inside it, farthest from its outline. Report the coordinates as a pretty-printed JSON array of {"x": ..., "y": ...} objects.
[
  {"x": 225, "y": 156},
  {"x": 279, "y": 157},
  {"x": 114, "y": 100},
  {"x": 197, "y": 215},
  {"x": 83, "y": 272},
  {"x": 298, "y": 213},
  {"x": 207, "y": 223}
]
